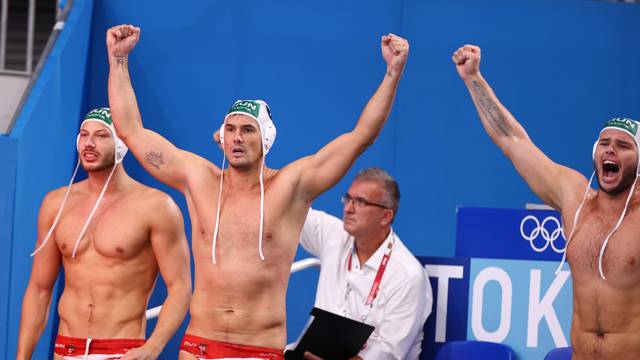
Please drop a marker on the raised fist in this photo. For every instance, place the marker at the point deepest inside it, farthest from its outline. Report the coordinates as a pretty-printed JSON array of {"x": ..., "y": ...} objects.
[
  {"x": 467, "y": 60},
  {"x": 395, "y": 51},
  {"x": 122, "y": 39}
]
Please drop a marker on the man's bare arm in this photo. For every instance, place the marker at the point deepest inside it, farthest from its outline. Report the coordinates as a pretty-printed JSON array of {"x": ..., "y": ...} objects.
[
  {"x": 553, "y": 183},
  {"x": 37, "y": 297},
  {"x": 156, "y": 154},
  {"x": 325, "y": 168},
  {"x": 172, "y": 254}
]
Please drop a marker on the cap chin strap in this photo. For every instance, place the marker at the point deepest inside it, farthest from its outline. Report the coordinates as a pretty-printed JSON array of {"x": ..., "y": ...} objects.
[
  {"x": 55, "y": 222},
  {"x": 615, "y": 228},
  {"x": 64, "y": 201},
  {"x": 216, "y": 227},
  {"x": 575, "y": 224},
  {"x": 261, "y": 209},
  {"x": 93, "y": 211},
  {"x": 120, "y": 150}
]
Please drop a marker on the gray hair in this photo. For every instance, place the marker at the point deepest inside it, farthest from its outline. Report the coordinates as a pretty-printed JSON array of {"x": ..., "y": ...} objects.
[{"x": 376, "y": 174}]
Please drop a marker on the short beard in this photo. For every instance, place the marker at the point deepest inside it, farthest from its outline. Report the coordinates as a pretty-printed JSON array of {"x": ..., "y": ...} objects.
[
  {"x": 108, "y": 163},
  {"x": 245, "y": 166},
  {"x": 625, "y": 183}
]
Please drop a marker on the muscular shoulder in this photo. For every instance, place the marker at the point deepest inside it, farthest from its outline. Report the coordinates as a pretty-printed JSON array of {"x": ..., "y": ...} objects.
[
  {"x": 292, "y": 173},
  {"x": 284, "y": 180},
  {"x": 53, "y": 198},
  {"x": 201, "y": 166},
  {"x": 159, "y": 204},
  {"x": 572, "y": 186}
]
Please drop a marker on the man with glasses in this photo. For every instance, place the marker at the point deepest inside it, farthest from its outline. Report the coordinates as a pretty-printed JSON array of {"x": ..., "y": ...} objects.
[{"x": 367, "y": 274}]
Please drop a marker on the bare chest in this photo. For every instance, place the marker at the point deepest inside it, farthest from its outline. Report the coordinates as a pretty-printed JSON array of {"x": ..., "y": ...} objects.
[
  {"x": 621, "y": 258},
  {"x": 118, "y": 229},
  {"x": 241, "y": 212}
]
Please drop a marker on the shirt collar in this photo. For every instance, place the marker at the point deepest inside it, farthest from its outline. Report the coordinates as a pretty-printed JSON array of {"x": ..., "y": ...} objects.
[{"x": 374, "y": 261}]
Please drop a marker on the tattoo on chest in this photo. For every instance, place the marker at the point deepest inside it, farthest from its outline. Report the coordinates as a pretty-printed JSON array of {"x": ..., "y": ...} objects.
[
  {"x": 491, "y": 111},
  {"x": 154, "y": 159}
]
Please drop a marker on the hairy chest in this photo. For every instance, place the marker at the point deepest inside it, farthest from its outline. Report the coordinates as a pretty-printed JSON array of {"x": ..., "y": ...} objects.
[{"x": 620, "y": 258}]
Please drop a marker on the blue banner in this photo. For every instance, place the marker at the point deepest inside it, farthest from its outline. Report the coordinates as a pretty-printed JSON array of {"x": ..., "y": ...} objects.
[
  {"x": 502, "y": 285},
  {"x": 509, "y": 234}
]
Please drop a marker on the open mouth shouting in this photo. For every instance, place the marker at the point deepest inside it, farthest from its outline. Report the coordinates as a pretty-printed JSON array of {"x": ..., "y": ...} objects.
[{"x": 610, "y": 171}]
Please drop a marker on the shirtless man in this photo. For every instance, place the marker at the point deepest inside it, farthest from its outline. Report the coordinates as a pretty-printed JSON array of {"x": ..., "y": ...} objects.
[
  {"x": 606, "y": 311},
  {"x": 109, "y": 272},
  {"x": 238, "y": 305}
]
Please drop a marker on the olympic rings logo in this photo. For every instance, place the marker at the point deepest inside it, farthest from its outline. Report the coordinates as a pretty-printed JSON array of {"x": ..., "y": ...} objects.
[{"x": 541, "y": 230}]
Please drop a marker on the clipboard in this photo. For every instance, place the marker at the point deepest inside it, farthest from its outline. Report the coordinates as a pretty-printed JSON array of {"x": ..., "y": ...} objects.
[{"x": 331, "y": 337}]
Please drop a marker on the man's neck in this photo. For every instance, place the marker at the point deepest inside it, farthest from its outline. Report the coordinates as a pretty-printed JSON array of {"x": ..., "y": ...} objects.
[
  {"x": 97, "y": 179},
  {"x": 245, "y": 178},
  {"x": 613, "y": 202},
  {"x": 367, "y": 245}
]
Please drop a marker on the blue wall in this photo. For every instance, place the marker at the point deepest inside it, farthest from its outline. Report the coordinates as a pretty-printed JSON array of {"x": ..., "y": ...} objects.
[
  {"x": 561, "y": 66},
  {"x": 8, "y": 148},
  {"x": 44, "y": 152}
]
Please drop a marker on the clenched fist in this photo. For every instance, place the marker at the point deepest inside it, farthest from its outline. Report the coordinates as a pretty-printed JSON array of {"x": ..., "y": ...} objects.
[
  {"x": 467, "y": 60},
  {"x": 122, "y": 39},
  {"x": 395, "y": 51}
]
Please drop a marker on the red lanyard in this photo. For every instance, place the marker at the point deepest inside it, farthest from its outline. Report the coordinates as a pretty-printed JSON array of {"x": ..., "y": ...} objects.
[{"x": 375, "y": 288}]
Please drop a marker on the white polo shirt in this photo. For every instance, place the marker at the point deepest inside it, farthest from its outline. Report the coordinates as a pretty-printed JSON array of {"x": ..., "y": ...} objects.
[{"x": 404, "y": 299}]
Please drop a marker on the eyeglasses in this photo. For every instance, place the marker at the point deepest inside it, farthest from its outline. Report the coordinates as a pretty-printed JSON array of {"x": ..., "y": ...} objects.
[{"x": 359, "y": 202}]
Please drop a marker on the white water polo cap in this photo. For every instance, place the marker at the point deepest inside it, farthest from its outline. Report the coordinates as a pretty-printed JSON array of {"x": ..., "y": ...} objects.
[
  {"x": 103, "y": 116},
  {"x": 260, "y": 112}
]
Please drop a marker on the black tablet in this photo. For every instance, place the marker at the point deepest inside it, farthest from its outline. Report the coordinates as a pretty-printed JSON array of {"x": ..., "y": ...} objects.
[{"x": 331, "y": 337}]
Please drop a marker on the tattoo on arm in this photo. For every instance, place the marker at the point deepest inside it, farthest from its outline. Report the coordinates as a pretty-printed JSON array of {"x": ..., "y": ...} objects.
[
  {"x": 154, "y": 159},
  {"x": 120, "y": 59},
  {"x": 491, "y": 111}
]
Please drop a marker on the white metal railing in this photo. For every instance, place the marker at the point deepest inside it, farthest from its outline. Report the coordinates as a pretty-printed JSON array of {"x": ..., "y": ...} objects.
[{"x": 295, "y": 267}]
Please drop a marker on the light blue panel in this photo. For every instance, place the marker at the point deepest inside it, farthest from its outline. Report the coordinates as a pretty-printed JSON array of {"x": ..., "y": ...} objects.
[{"x": 520, "y": 275}]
